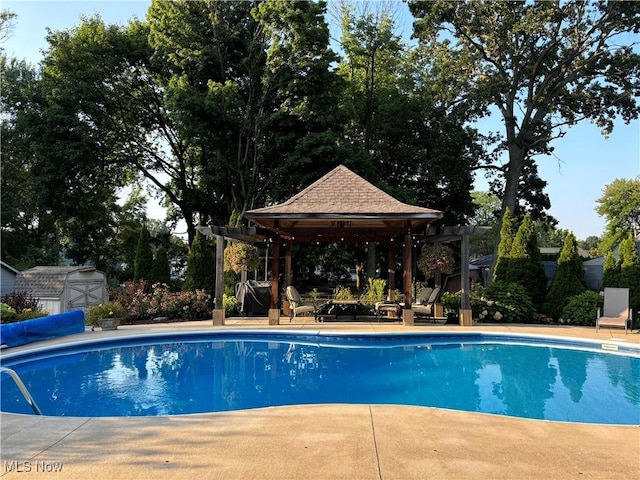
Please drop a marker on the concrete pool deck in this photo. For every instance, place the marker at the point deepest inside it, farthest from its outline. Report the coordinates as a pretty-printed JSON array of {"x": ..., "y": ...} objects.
[{"x": 320, "y": 441}]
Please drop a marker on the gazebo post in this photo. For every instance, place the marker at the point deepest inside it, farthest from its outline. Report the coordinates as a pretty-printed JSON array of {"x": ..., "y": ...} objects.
[
  {"x": 391, "y": 267},
  {"x": 287, "y": 264},
  {"x": 274, "y": 310},
  {"x": 465, "y": 304},
  {"x": 407, "y": 312},
  {"x": 218, "y": 312}
]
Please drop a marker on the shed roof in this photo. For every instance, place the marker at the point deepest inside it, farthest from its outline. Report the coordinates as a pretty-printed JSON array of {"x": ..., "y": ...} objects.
[
  {"x": 46, "y": 282},
  {"x": 9, "y": 268},
  {"x": 341, "y": 203}
]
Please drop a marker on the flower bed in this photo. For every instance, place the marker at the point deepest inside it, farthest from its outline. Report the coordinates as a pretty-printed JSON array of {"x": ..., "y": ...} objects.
[{"x": 142, "y": 306}]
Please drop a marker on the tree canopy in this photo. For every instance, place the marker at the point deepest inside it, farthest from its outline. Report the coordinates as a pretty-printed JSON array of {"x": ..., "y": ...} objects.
[
  {"x": 620, "y": 205},
  {"x": 543, "y": 66},
  {"x": 227, "y": 106}
]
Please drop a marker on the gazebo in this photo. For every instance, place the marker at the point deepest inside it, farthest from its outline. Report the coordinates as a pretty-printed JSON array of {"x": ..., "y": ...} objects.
[{"x": 339, "y": 207}]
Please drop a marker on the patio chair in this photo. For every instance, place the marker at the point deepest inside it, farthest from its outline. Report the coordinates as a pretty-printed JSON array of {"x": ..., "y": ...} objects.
[
  {"x": 427, "y": 308},
  {"x": 423, "y": 295},
  {"x": 298, "y": 305},
  {"x": 616, "y": 311}
]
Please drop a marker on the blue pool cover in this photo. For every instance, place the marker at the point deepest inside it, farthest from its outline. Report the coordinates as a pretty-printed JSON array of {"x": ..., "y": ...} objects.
[{"x": 42, "y": 328}]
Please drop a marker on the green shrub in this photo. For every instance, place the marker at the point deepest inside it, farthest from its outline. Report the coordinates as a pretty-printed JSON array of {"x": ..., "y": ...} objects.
[
  {"x": 451, "y": 301},
  {"x": 29, "y": 314},
  {"x": 583, "y": 308},
  {"x": 19, "y": 306},
  {"x": 7, "y": 313},
  {"x": 342, "y": 293},
  {"x": 502, "y": 302},
  {"x": 103, "y": 310},
  {"x": 231, "y": 279},
  {"x": 230, "y": 305},
  {"x": 21, "y": 301},
  {"x": 374, "y": 291}
]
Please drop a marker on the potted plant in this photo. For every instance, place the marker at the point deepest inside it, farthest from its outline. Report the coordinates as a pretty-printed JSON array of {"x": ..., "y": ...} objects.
[
  {"x": 451, "y": 305},
  {"x": 105, "y": 315}
]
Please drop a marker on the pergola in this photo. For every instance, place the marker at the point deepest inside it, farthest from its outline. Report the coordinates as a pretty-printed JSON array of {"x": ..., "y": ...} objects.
[{"x": 339, "y": 207}]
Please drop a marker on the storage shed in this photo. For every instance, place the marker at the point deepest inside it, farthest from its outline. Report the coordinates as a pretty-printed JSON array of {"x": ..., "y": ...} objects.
[
  {"x": 8, "y": 279},
  {"x": 61, "y": 289}
]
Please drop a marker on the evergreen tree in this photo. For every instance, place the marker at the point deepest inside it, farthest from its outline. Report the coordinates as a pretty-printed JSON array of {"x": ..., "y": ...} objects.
[
  {"x": 161, "y": 270},
  {"x": 569, "y": 279},
  {"x": 627, "y": 271},
  {"x": 200, "y": 266},
  {"x": 628, "y": 253},
  {"x": 507, "y": 232},
  {"x": 610, "y": 271},
  {"x": 525, "y": 264},
  {"x": 144, "y": 256}
]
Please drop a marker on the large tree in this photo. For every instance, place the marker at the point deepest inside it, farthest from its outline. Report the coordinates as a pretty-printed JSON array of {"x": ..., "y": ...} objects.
[
  {"x": 620, "y": 205},
  {"x": 29, "y": 235},
  {"x": 105, "y": 80},
  {"x": 543, "y": 66},
  {"x": 250, "y": 89},
  {"x": 401, "y": 135},
  {"x": 7, "y": 22},
  {"x": 302, "y": 132}
]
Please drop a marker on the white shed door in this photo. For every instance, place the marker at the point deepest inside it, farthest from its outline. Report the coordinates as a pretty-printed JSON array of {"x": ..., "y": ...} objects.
[{"x": 82, "y": 294}]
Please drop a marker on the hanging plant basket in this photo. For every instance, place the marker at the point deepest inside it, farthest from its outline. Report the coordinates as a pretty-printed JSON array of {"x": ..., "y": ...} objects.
[
  {"x": 239, "y": 256},
  {"x": 436, "y": 258}
]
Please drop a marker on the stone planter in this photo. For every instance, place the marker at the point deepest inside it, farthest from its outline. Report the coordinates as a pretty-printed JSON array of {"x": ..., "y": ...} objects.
[{"x": 109, "y": 323}]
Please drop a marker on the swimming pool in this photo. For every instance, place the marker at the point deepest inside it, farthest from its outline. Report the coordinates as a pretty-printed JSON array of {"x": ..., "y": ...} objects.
[{"x": 198, "y": 372}]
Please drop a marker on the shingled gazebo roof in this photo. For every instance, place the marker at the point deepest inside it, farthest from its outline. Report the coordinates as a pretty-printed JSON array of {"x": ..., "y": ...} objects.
[{"x": 342, "y": 205}]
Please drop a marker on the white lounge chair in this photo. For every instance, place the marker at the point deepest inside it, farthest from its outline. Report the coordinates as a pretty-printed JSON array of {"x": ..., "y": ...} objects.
[
  {"x": 298, "y": 305},
  {"x": 616, "y": 311}
]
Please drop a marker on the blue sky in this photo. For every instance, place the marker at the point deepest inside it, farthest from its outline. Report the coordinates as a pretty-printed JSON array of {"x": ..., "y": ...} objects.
[{"x": 584, "y": 162}]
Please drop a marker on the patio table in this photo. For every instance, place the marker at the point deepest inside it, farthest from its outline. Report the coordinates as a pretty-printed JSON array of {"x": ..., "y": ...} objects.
[{"x": 346, "y": 307}]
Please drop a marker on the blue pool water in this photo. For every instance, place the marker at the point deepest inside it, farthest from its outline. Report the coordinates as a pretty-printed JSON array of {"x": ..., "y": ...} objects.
[{"x": 194, "y": 373}]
